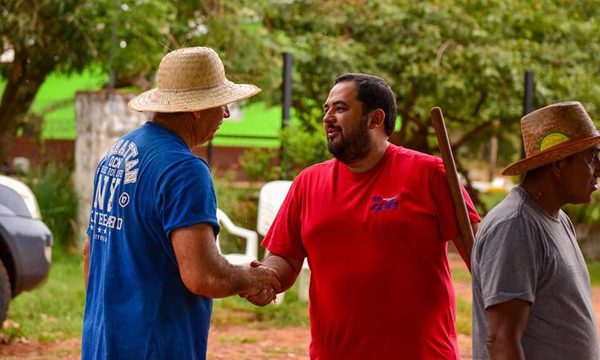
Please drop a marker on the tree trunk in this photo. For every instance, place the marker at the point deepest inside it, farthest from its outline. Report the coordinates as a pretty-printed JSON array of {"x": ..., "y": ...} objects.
[{"x": 23, "y": 84}]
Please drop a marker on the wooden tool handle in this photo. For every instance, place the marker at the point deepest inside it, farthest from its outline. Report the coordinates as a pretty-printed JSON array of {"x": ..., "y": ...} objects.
[{"x": 455, "y": 189}]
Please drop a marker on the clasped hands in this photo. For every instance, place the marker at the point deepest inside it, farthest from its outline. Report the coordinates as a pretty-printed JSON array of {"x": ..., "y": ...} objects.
[{"x": 264, "y": 285}]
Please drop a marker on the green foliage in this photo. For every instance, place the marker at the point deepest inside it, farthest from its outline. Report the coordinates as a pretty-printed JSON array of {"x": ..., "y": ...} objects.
[
  {"x": 489, "y": 200},
  {"x": 259, "y": 164},
  {"x": 69, "y": 35},
  {"x": 594, "y": 269},
  {"x": 467, "y": 57},
  {"x": 236, "y": 30},
  {"x": 44, "y": 32},
  {"x": 302, "y": 148},
  {"x": 585, "y": 213},
  {"x": 57, "y": 199},
  {"x": 129, "y": 37}
]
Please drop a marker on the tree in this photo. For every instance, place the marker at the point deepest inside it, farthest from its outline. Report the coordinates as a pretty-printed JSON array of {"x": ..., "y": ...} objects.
[
  {"x": 237, "y": 31},
  {"x": 68, "y": 36},
  {"x": 125, "y": 38},
  {"x": 468, "y": 57},
  {"x": 38, "y": 46}
]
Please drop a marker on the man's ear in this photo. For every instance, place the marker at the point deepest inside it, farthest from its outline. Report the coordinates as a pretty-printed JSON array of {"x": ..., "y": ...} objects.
[
  {"x": 556, "y": 168},
  {"x": 376, "y": 118}
]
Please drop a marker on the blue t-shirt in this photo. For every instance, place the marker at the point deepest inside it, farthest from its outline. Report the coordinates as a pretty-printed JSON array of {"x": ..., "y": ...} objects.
[{"x": 148, "y": 184}]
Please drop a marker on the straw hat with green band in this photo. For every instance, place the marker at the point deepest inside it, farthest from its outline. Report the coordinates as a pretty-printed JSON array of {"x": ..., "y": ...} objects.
[
  {"x": 553, "y": 133},
  {"x": 191, "y": 79}
]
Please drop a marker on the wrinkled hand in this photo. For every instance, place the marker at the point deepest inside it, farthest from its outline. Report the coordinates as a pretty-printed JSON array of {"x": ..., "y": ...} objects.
[{"x": 264, "y": 284}]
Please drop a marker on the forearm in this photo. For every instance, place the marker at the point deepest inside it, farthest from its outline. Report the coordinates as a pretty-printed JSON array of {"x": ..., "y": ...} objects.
[
  {"x": 501, "y": 348},
  {"x": 217, "y": 278},
  {"x": 204, "y": 271},
  {"x": 223, "y": 279},
  {"x": 287, "y": 270},
  {"x": 506, "y": 324}
]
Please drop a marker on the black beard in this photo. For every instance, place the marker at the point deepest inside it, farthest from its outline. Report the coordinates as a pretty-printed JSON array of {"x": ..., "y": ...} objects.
[{"x": 355, "y": 146}]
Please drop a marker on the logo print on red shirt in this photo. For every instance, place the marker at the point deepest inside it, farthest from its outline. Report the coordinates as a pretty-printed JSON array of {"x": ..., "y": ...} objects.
[{"x": 384, "y": 204}]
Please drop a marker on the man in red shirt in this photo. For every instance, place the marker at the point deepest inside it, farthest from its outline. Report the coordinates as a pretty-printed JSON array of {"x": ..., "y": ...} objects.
[{"x": 374, "y": 224}]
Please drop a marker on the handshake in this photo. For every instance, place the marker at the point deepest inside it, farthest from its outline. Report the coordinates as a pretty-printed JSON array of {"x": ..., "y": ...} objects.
[{"x": 263, "y": 284}]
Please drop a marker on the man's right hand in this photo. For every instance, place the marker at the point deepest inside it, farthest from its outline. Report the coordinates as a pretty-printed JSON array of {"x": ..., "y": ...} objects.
[
  {"x": 286, "y": 271},
  {"x": 264, "y": 284}
]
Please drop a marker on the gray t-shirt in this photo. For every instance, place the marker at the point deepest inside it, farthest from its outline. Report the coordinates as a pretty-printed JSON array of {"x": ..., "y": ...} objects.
[{"x": 523, "y": 253}]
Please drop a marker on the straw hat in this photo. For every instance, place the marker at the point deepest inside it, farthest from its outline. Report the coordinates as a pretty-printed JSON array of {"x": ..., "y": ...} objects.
[
  {"x": 553, "y": 133},
  {"x": 191, "y": 79}
]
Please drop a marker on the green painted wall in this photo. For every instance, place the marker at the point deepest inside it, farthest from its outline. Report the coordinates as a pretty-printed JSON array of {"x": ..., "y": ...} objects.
[{"x": 56, "y": 103}]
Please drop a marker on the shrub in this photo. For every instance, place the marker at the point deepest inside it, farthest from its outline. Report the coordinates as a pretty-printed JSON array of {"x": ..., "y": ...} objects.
[
  {"x": 302, "y": 148},
  {"x": 57, "y": 199},
  {"x": 585, "y": 213},
  {"x": 259, "y": 164}
]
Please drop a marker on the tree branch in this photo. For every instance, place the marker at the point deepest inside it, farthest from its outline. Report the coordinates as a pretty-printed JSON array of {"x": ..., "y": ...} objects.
[
  {"x": 482, "y": 98},
  {"x": 474, "y": 131}
]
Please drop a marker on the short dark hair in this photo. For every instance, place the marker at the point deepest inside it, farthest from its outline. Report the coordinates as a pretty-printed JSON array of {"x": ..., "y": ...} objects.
[{"x": 374, "y": 93}]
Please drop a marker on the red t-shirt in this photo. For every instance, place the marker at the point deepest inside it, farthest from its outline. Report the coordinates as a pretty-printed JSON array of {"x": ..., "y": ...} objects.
[{"x": 376, "y": 243}]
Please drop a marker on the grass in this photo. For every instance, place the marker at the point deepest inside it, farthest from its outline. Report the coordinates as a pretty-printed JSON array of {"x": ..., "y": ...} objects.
[
  {"x": 237, "y": 311},
  {"x": 461, "y": 275},
  {"x": 463, "y": 307},
  {"x": 464, "y": 316},
  {"x": 54, "y": 311}
]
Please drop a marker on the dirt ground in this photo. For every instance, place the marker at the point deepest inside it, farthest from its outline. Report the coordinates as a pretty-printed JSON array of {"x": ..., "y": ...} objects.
[{"x": 234, "y": 342}]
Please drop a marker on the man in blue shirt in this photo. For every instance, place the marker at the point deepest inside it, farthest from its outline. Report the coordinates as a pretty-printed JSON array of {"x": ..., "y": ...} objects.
[{"x": 151, "y": 265}]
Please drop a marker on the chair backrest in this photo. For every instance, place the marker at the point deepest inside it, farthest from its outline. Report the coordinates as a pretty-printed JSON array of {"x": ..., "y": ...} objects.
[
  {"x": 270, "y": 199},
  {"x": 251, "y": 252},
  {"x": 271, "y": 196}
]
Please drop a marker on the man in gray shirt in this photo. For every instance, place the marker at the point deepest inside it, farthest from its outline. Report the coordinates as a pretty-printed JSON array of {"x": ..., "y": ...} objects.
[{"x": 531, "y": 288}]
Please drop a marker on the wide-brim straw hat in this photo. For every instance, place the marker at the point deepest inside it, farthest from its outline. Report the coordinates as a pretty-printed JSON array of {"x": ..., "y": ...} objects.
[
  {"x": 191, "y": 79},
  {"x": 553, "y": 133}
]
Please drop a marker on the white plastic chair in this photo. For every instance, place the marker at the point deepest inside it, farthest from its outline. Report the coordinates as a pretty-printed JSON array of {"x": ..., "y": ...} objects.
[
  {"x": 251, "y": 237},
  {"x": 270, "y": 199}
]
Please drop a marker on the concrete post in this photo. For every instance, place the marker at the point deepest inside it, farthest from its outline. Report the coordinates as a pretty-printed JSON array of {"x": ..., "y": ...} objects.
[{"x": 101, "y": 120}]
